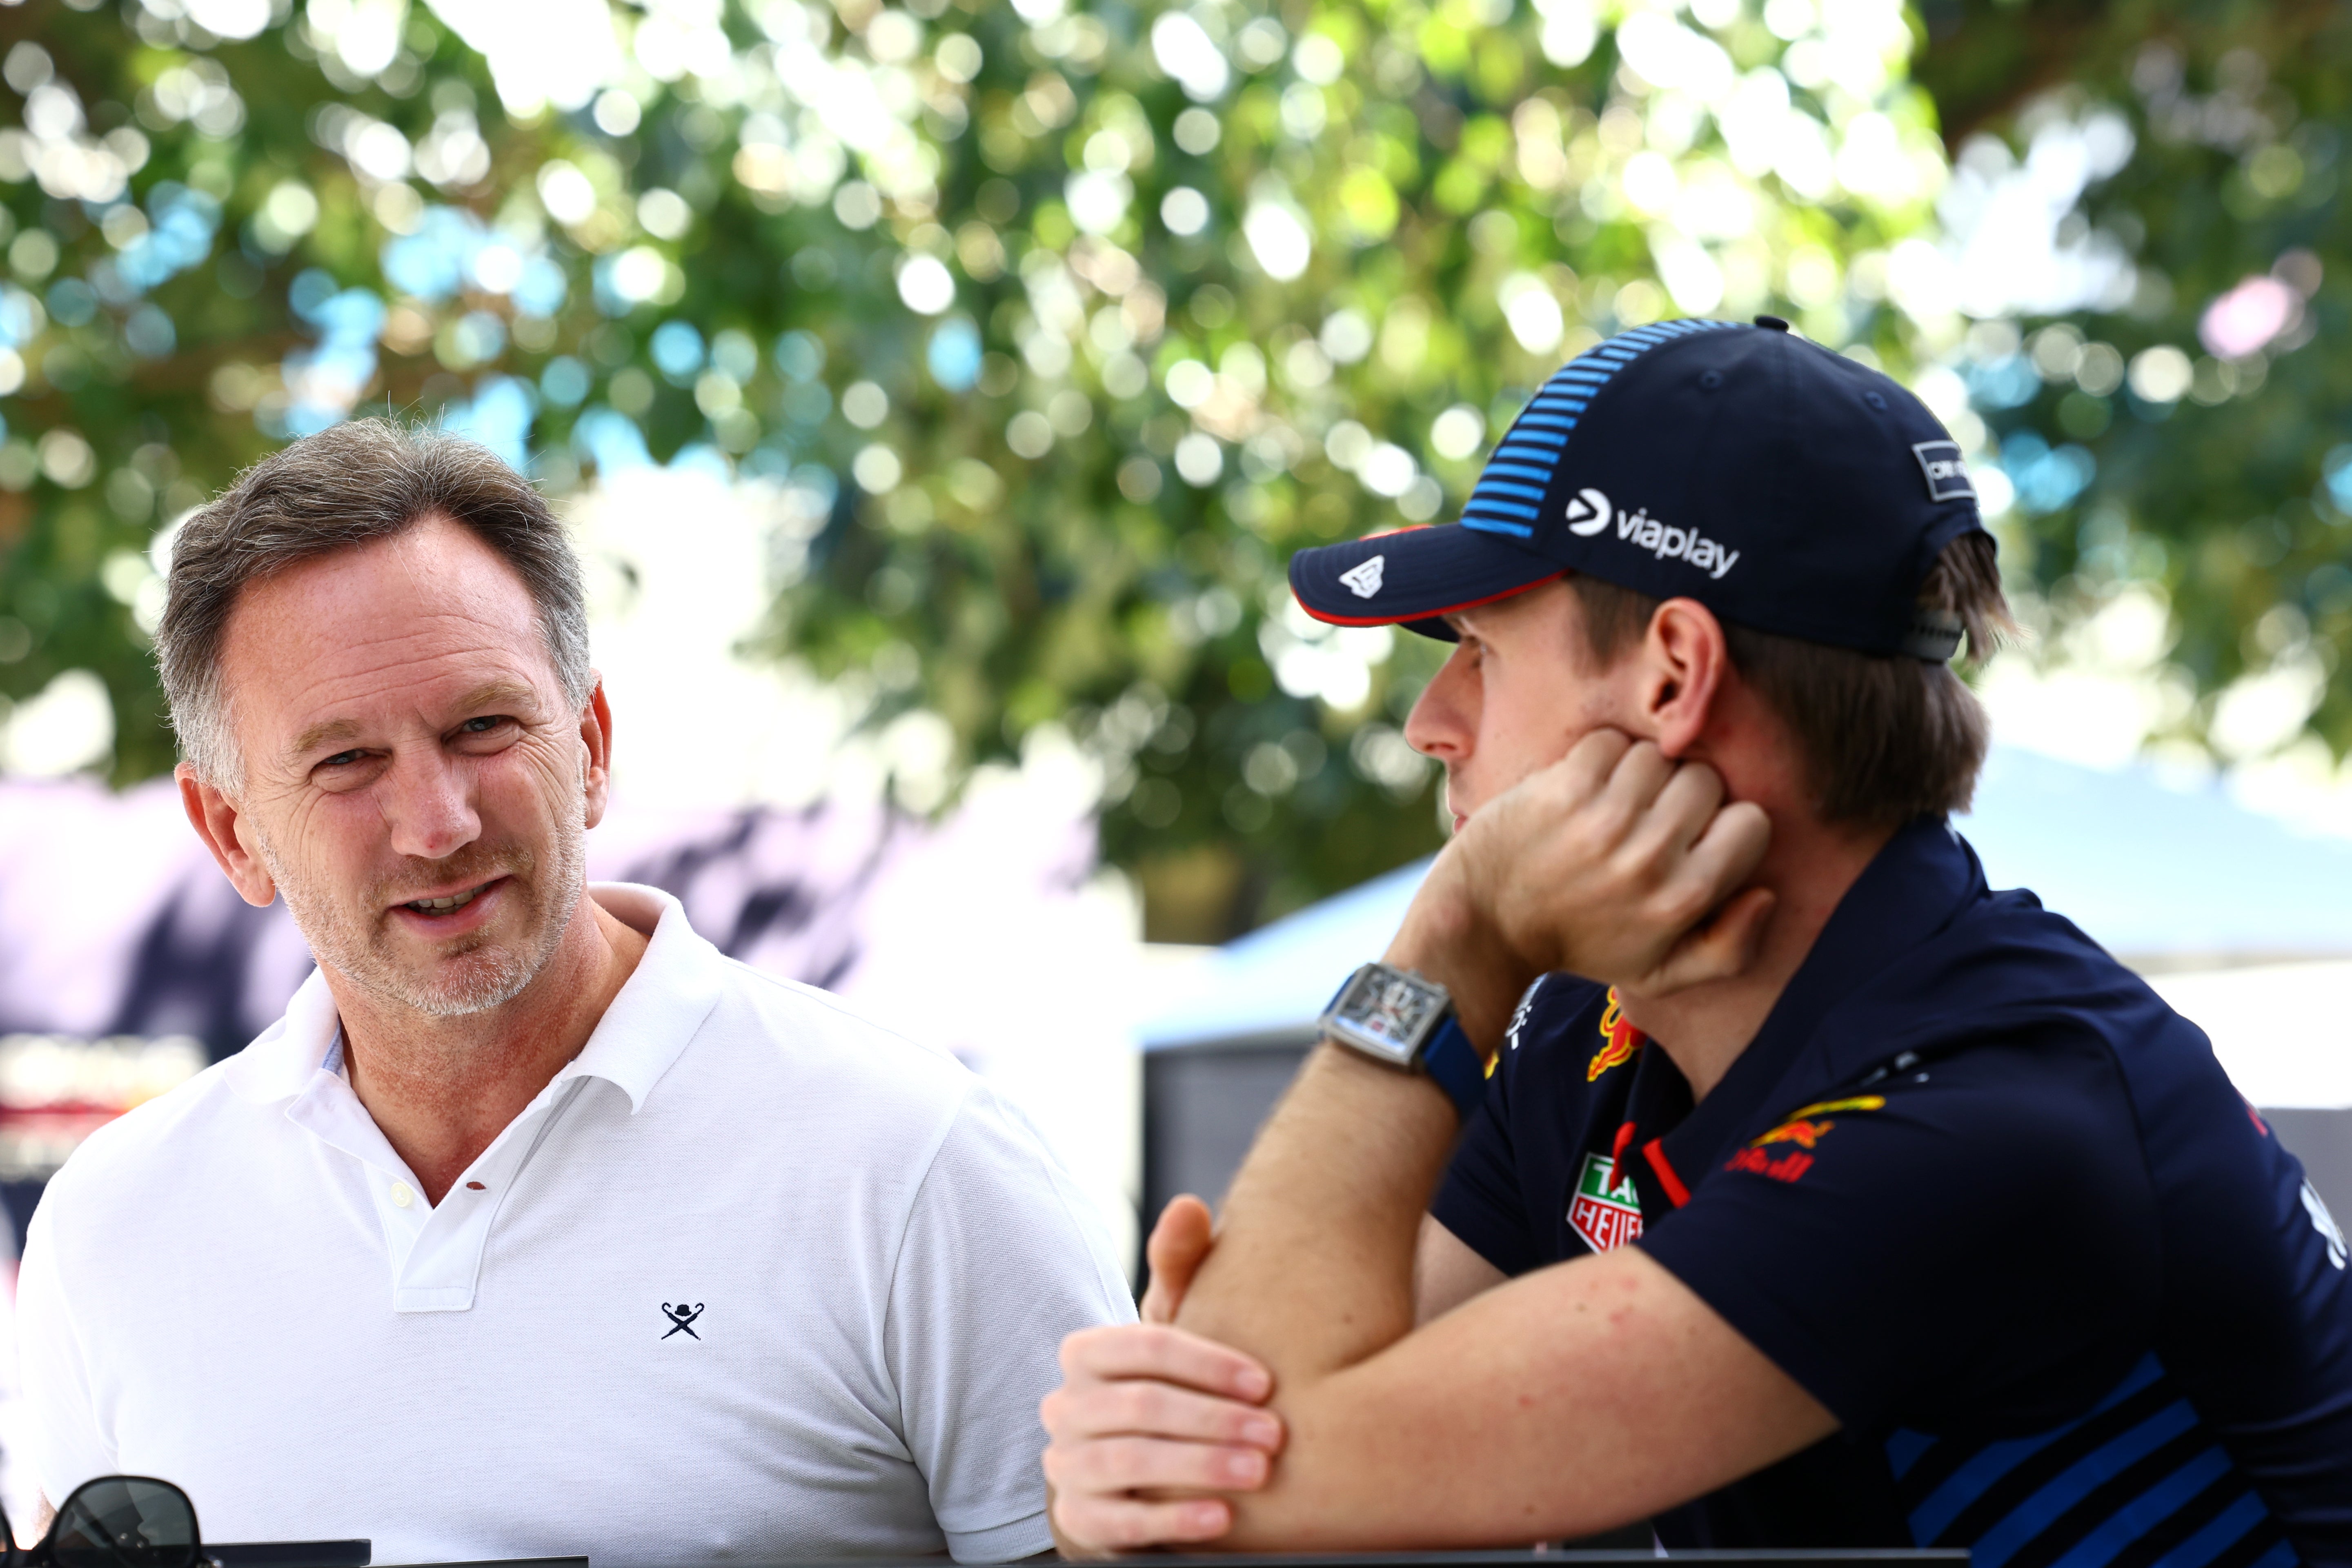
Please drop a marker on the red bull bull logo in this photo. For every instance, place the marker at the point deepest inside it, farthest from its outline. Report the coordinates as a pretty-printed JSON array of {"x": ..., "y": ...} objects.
[
  {"x": 1805, "y": 1128},
  {"x": 1803, "y": 1134},
  {"x": 1620, "y": 1039}
]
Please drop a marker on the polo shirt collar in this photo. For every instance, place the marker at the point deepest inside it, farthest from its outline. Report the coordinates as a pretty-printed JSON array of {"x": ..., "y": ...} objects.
[
  {"x": 283, "y": 1058},
  {"x": 658, "y": 1009},
  {"x": 1917, "y": 884},
  {"x": 674, "y": 988}
]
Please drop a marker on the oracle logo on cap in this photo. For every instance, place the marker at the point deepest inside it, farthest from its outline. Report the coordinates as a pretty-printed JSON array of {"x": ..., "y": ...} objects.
[{"x": 1947, "y": 476}]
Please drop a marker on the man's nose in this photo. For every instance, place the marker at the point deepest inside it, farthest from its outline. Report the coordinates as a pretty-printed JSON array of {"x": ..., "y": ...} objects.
[
  {"x": 1438, "y": 725},
  {"x": 428, "y": 802}
]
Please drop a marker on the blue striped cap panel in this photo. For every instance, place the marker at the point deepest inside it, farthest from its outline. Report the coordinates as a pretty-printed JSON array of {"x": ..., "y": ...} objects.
[{"x": 1542, "y": 432}]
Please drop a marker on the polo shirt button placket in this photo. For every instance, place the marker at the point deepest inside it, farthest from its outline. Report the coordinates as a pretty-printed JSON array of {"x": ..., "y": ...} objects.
[{"x": 444, "y": 1261}]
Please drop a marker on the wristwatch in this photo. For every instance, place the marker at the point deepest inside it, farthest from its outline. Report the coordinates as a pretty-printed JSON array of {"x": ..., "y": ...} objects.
[{"x": 1400, "y": 1020}]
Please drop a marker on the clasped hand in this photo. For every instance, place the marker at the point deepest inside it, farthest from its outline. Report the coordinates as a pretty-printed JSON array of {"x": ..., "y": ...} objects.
[{"x": 1615, "y": 863}]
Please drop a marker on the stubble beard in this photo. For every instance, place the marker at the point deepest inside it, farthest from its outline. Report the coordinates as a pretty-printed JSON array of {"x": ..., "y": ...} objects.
[{"x": 468, "y": 974}]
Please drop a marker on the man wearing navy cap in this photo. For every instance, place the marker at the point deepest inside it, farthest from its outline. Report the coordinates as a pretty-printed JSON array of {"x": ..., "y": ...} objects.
[{"x": 1842, "y": 1202}]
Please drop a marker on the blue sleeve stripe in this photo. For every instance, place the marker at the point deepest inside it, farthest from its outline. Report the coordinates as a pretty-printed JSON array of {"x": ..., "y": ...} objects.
[
  {"x": 1518, "y": 470},
  {"x": 1904, "y": 1449},
  {"x": 1996, "y": 1546},
  {"x": 2148, "y": 1511},
  {"x": 1546, "y": 421},
  {"x": 1994, "y": 1460},
  {"x": 1543, "y": 441},
  {"x": 2221, "y": 1532},
  {"x": 1973, "y": 1479},
  {"x": 1488, "y": 488}
]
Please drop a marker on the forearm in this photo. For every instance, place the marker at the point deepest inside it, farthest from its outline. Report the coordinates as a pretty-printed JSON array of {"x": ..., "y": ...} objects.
[
  {"x": 1313, "y": 1268},
  {"x": 1314, "y": 1265},
  {"x": 1600, "y": 865}
]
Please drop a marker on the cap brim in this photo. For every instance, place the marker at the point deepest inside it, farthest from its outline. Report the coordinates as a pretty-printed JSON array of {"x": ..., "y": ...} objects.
[{"x": 1425, "y": 574}]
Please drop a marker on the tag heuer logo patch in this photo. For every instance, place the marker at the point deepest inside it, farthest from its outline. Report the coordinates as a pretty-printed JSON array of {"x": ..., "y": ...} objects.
[
  {"x": 1365, "y": 580},
  {"x": 1605, "y": 1213},
  {"x": 1947, "y": 476}
]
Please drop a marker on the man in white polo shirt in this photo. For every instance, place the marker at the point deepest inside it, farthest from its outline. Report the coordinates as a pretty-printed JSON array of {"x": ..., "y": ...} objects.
[{"x": 536, "y": 1225}]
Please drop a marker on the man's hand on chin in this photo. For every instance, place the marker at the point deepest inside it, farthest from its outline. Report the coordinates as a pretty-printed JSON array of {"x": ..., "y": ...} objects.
[
  {"x": 1615, "y": 863},
  {"x": 1149, "y": 1417}
]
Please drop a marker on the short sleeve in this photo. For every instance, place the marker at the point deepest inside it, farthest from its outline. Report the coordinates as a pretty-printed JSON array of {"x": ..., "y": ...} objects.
[
  {"x": 63, "y": 1444},
  {"x": 1479, "y": 1201},
  {"x": 1978, "y": 1235},
  {"x": 1003, "y": 1257}
]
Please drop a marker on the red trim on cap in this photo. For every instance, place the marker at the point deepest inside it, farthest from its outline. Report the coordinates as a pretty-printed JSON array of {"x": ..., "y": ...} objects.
[
  {"x": 1676, "y": 1194},
  {"x": 1423, "y": 614}
]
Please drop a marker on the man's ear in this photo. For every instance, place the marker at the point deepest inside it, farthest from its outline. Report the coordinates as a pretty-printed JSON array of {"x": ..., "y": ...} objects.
[
  {"x": 596, "y": 739},
  {"x": 216, "y": 818},
  {"x": 1684, "y": 661}
]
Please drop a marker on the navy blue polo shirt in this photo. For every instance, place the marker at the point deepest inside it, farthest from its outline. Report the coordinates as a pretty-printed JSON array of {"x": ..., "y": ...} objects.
[{"x": 1988, "y": 1199}]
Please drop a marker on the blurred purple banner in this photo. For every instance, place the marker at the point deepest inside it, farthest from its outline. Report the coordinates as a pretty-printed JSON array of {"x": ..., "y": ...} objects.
[{"x": 127, "y": 961}]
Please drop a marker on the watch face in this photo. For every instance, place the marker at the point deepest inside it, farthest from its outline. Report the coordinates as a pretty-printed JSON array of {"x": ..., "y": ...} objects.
[{"x": 1389, "y": 1007}]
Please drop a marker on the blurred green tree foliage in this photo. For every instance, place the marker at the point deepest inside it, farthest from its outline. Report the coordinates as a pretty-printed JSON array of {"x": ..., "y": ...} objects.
[
  {"x": 1050, "y": 332},
  {"x": 1047, "y": 330},
  {"x": 2177, "y": 433}
]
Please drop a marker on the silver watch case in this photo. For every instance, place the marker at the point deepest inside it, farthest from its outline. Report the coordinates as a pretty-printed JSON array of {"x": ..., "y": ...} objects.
[{"x": 1390, "y": 1015}]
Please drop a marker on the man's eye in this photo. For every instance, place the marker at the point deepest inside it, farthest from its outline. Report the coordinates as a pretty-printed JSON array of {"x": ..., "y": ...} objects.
[
  {"x": 480, "y": 726},
  {"x": 341, "y": 759}
]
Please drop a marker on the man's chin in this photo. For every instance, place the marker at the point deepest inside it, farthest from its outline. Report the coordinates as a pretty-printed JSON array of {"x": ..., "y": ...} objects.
[
  {"x": 459, "y": 976},
  {"x": 481, "y": 980}
]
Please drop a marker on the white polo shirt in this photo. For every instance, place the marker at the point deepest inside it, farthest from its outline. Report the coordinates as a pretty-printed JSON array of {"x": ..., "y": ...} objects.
[{"x": 238, "y": 1287}]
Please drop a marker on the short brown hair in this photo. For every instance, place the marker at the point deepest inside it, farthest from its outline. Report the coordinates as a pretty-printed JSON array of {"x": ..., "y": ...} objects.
[
  {"x": 1883, "y": 738},
  {"x": 367, "y": 480}
]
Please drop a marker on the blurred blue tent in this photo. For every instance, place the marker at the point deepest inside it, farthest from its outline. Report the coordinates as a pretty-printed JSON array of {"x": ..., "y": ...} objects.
[
  {"x": 2169, "y": 879},
  {"x": 2164, "y": 877}
]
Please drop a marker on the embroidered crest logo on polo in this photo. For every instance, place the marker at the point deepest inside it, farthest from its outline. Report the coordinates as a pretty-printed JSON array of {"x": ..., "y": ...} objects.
[
  {"x": 1773, "y": 480},
  {"x": 1605, "y": 1211}
]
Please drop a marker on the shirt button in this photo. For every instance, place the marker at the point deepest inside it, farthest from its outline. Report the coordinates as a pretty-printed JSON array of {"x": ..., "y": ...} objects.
[{"x": 402, "y": 1194}]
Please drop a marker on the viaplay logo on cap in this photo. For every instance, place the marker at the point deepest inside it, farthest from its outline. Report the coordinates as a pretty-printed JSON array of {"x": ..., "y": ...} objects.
[{"x": 1588, "y": 512}]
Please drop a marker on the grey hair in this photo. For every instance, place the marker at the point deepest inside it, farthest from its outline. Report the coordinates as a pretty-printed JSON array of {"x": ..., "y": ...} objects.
[{"x": 363, "y": 480}]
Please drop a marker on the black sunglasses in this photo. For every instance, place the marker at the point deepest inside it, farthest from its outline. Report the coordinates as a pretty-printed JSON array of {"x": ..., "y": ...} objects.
[{"x": 114, "y": 1522}]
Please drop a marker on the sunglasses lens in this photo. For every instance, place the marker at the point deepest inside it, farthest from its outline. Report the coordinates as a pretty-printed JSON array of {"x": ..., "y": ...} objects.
[{"x": 126, "y": 1521}]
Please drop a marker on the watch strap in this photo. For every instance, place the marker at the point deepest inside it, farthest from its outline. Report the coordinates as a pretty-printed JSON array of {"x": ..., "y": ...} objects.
[{"x": 1453, "y": 1065}]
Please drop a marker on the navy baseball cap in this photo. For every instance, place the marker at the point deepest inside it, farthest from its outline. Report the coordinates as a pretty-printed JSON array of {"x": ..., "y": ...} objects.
[{"x": 1783, "y": 486}]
